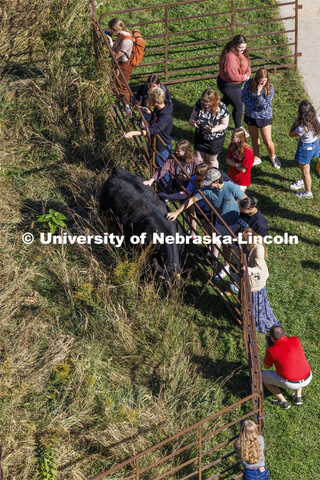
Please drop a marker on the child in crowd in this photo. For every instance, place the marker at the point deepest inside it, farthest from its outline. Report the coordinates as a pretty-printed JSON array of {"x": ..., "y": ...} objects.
[
  {"x": 307, "y": 127},
  {"x": 240, "y": 159}
]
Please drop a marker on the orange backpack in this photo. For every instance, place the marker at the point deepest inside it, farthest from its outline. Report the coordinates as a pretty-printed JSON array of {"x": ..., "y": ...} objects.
[{"x": 138, "y": 49}]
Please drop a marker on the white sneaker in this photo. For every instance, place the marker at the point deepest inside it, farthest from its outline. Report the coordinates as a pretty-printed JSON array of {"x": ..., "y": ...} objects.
[
  {"x": 275, "y": 162},
  {"x": 257, "y": 161},
  {"x": 222, "y": 274},
  {"x": 297, "y": 185},
  {"x": 304, "y": 194}
]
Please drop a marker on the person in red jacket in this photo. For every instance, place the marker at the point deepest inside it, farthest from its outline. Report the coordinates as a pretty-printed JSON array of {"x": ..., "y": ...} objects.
[
  {"x": 292, "y": 369},
  {"x": 240, "y": 159},
  {"x": 234, "y": 69}
]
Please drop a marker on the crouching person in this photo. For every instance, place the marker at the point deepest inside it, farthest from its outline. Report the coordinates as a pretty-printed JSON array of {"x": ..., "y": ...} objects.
[{"x": 292, "y": 369}]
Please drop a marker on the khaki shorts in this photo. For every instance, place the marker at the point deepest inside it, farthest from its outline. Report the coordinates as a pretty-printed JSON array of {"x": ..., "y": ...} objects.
[{"x": 272, "y": 378}]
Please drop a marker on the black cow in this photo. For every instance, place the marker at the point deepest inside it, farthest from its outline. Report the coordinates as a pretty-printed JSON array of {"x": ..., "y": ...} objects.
[{"x": 139, "y": 210}]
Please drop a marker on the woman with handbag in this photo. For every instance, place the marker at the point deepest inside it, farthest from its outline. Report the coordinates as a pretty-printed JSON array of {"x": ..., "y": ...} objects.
[{"x": 258, "y": 274}]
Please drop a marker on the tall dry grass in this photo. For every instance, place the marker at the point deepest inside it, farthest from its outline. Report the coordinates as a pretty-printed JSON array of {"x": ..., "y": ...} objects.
[{"x": 96, "y": 361}]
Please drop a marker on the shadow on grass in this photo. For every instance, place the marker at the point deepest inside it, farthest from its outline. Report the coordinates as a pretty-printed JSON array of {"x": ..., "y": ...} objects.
[
  {"x": 269, "y": 206},
  {"x": 311, "y": 264},
  {"x": 238, "y": 380}
]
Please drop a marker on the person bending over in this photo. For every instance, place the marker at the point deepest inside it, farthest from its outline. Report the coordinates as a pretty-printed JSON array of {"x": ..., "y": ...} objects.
[
  {"x": 224, "y": 198},
  {"x": 161, "y": 124}
]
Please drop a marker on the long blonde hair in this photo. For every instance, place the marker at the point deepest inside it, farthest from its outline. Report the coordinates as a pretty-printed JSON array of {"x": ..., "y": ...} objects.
[
  {"x": 240, "y": 133},
  {"x": 250, "y": 449}
]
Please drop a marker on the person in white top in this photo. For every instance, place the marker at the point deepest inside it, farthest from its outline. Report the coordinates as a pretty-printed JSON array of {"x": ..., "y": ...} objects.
[
  {"x": 122, "y": 48},
  {"x": 307, "y": 127}
]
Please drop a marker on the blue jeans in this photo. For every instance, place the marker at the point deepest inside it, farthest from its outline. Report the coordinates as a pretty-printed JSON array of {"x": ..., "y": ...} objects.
[
  {"x": 255, "y": 473},
  {"x": 307, "y": 151},
  {"x": 160, "y": 159}
]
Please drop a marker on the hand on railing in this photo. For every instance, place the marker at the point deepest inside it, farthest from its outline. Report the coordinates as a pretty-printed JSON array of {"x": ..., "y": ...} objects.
[{"x": 135, "y": 133}]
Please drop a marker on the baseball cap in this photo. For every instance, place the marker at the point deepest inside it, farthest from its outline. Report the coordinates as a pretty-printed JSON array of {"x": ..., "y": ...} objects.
[{"x": 212, "y": 176}]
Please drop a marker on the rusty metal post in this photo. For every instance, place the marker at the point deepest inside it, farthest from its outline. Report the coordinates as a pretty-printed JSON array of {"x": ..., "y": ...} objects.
[
  {"x": 137, "y": 469},
  {"x": 200, "y": 451},
  {"x": 153, "y": 155},
  {"x": 166, "y": 41},
  {"x": 232, "y": 18},
  {"x": 1, "y": 472}
]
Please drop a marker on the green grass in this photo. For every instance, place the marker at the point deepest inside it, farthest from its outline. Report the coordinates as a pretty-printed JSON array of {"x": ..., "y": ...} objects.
[{"x": 97, "y": 363}]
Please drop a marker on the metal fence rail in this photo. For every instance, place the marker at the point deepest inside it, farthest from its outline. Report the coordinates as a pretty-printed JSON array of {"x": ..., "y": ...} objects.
[
  {"x": 165, "y": 37},
  {"x": 144, "y": 149},
  {"x": 206, "y": 446}
]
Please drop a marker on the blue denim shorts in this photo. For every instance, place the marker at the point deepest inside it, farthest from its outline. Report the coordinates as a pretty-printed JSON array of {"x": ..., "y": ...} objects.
[
  {"x": 307, "y": 151},
  {"x": 256, "y": 473}
]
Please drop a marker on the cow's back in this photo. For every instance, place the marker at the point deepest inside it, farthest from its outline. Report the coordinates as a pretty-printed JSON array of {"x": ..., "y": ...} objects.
[{"x": 125, "y": 194}]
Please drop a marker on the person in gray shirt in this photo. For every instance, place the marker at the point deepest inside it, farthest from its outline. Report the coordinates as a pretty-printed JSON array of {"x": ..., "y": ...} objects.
[
  {"x": 249, "y": 448},
  {"x": 307, "y": 127}
]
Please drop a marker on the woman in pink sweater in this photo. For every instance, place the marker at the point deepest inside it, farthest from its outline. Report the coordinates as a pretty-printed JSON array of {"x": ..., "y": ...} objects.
[{"x": 234, "y": 69}]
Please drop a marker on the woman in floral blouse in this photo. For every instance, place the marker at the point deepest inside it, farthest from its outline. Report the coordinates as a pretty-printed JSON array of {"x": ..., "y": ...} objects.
[
  {"x": 210, "y": 117},
  {"x": 257, "y": 96}
]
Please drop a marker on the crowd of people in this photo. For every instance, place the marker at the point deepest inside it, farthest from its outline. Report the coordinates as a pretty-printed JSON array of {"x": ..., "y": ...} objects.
[{"x": 197, "y": 177}]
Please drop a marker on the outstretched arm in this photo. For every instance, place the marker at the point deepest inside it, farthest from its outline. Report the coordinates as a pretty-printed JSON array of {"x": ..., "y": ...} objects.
[{"x": 173, "y": 215}]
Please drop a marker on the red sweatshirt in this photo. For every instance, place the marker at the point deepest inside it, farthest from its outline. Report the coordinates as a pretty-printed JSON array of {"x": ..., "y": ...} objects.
[
  {"x": 230, "y": 69},
  {"x": 241, "y": 178}
]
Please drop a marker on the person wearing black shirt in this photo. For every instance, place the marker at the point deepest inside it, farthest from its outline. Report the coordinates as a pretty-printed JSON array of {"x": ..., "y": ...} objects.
[{"x": 251, "y": 217}]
